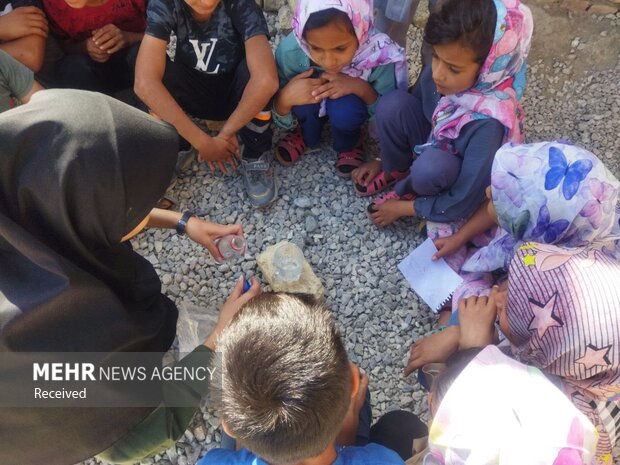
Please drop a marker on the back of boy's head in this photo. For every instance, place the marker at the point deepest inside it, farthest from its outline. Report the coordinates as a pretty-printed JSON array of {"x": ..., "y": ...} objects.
[
  {"x": 471, "y": 23},
  {"x": 286, "y": 382},
  {"x": 322, "y": 18}
]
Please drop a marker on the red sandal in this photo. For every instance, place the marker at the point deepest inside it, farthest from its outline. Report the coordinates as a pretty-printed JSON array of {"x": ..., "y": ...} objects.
[
  {"x": 380, "y": 183},
  {"x": 348, "y": 161},
  {"x": 392, "y": 195},
  {"x": 290, "y": 147}
]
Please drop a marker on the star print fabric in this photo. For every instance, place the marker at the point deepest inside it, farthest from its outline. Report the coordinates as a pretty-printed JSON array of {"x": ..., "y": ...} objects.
[
  {"x": 563, "y": 312},
  {"x": 552, "y": 193}
]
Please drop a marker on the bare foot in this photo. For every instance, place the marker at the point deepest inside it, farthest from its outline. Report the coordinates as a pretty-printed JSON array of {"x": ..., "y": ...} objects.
[
  {"x": 366, "y": 173},
  {"x": 391, "y": 210},
  {"x": 435, "y": 348}
]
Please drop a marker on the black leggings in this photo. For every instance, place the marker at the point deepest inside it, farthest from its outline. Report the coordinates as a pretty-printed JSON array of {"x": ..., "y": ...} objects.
[{"x": 396, "y": 430}]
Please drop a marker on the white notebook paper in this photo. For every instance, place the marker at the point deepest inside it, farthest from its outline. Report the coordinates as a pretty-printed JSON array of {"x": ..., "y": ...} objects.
[{"x": 433, "y": 281}]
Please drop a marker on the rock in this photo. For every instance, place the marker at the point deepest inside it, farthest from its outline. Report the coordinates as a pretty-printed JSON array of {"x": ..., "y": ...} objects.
[
  {"x": 273, "y": 5},
  {"x": 311, "y": 224},
  {"x": 577, "y": 5},
  {"x": 603, "y": 9},
  {"x": 308, "y": 282},
  {"x": 302, "y": 202},
  {"x": 285, "y": 19}
]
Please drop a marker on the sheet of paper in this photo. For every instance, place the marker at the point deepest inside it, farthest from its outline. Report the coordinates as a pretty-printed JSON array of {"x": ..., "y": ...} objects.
[{"x": 433, "y": 281}]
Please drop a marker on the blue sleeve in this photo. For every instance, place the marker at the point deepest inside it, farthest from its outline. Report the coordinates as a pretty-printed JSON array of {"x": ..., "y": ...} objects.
[
  {"x": 370, "y": 454},
  {"x": 477, "y": 142},
  {"x": 248, "y": 19},
  {"x": 383, "y": 80},
  {"x": 160, "y": 19}
]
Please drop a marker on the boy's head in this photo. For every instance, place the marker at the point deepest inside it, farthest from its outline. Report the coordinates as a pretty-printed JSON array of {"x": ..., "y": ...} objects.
[{"x": 286, "y": 382}]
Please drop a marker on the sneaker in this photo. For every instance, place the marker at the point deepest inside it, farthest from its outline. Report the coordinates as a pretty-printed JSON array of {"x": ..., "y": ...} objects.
[{"x": 259, "y": 180}]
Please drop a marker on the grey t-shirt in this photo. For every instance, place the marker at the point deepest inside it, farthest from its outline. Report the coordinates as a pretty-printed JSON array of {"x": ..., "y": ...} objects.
[{"x": 16, "y": 80}]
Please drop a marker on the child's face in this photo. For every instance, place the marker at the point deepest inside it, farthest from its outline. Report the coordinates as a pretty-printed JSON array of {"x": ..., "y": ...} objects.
[
  {"x": 332, "y": 47},
  {"x": 454, "y": 68},
  {"x": 202, "y": 9}
]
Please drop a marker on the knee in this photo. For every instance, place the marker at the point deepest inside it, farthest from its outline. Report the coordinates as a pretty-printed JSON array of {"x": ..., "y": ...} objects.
[
  {"x": 305, "y": 112},
  {"x": 347, "y": 113},
  {"x": 434, "y": 173},
  {"x": 391, "y": 105}
]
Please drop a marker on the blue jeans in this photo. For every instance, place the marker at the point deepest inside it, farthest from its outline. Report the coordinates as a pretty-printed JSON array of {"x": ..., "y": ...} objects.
[
  {"x": 361, "y": 438},
  {"x": 346, "y": 116}
]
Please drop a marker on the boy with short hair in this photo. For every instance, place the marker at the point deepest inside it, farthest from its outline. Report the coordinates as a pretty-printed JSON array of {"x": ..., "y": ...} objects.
[
  {"x": 223, "y": 69},
  {"x": 289, "y": 392}
]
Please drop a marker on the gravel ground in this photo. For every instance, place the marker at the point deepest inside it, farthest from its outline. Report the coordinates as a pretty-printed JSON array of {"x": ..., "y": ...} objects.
[{"x": 379, "y": 315}]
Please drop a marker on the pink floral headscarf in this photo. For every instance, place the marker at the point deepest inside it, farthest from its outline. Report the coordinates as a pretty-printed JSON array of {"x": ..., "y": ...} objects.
[
  {"x": 563, "y": 311},
  {"x": 501, "y": 81},
  {"x": 501, "y": 412},
  {"x": 375, "y": 48}
]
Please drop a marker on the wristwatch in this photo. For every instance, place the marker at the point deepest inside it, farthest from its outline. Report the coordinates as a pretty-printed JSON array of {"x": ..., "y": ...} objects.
[{"x": 182, "y": 224}]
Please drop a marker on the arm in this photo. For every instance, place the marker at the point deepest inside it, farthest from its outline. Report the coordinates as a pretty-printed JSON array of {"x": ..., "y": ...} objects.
[
  {"x": 480, "y": 222},
  {"x": 29, "y": 50},
  {"x": 201, "y": 232},
  {"x": 16, "y": 79},
  {"x": 263, "y": 84},
  {"x": 483, "y": 139},
  {"x": 150, "y": 67}
]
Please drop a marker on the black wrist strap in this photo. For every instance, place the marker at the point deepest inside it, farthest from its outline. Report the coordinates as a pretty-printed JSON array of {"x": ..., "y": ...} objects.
[{"x": 182, "y": 224}]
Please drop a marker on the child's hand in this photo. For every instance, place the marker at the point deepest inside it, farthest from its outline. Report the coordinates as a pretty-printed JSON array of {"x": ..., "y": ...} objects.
[
  {"x": 93, "y": 50},
  {"x": 110, "y": 39},
  {"x": 22, "y": 22},
  {"x": 447, "y": 246},
  {"x": 366, "y": 173},
  {"x": 337, "y": 85},
  {"x": 300, "y": 89},
  {"x": 477, "y": 317},
  {"x": 217, "y": 151},
  {"x": 205, "y": 233},
  {"x": 231, "y": 307}
]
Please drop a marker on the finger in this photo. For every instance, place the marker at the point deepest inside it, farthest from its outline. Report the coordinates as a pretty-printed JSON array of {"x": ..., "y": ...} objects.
[
  {"x": 106, "y": 40},
  {"x": 222, "y": 166},
  {"x": 323, "y": 96},
  {"x": 303, "y": 75},
  {"x": 237, "y": 291},
  {"x": 211, "y": 166},
  {"x": 252, "y": 292},
  {"x": 115, "y": 49},
  {"x": 213, "y": 250},
  {"x": 321, "y": 90}
]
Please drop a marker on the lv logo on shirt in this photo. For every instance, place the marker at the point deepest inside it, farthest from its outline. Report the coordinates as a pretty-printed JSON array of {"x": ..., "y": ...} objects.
[{"x": 202, "y": 59}]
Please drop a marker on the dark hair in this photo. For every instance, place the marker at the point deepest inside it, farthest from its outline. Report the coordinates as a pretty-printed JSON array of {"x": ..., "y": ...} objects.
[
  {"x": 471, "y": 23},
  {"x": 286, "y": 382},
  {"x": 455, "y": 364},
  {"x": 322, "y": 18}
]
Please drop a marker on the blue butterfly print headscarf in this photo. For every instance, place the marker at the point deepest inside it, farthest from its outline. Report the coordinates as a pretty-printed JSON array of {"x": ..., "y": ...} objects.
[{"x": 551, "y": 193}]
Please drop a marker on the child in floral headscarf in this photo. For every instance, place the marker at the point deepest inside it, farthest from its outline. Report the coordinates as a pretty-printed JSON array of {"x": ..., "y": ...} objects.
[
  {"x": 549, "y": 192},
  {"x": 334, "y": 64},
  {"x": 438, "y": 141}
]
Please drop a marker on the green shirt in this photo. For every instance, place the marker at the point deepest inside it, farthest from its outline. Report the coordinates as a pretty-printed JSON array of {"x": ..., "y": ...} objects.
[
  {"x": 16, "y": 80},
  {"x": 292, "y": 60}
]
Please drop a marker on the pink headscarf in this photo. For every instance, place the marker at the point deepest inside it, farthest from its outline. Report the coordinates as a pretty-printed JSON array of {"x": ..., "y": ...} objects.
[
  {"x": 563, "y": 312},
  {"x": 500, "y": 83},
  {"x": 375, "y": 48}
]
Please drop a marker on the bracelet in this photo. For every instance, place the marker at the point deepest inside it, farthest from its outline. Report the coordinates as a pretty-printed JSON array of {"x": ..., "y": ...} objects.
[{"x": 182, "y": 224}]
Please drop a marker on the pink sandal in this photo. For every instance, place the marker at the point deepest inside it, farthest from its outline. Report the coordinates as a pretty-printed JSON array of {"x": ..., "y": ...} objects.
[
  {"x": 292, "y": 145},
  {"x": 392, "y": 195},
  {"x": 348, "y": 161},
  {"x": 380, "y": 183}
]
